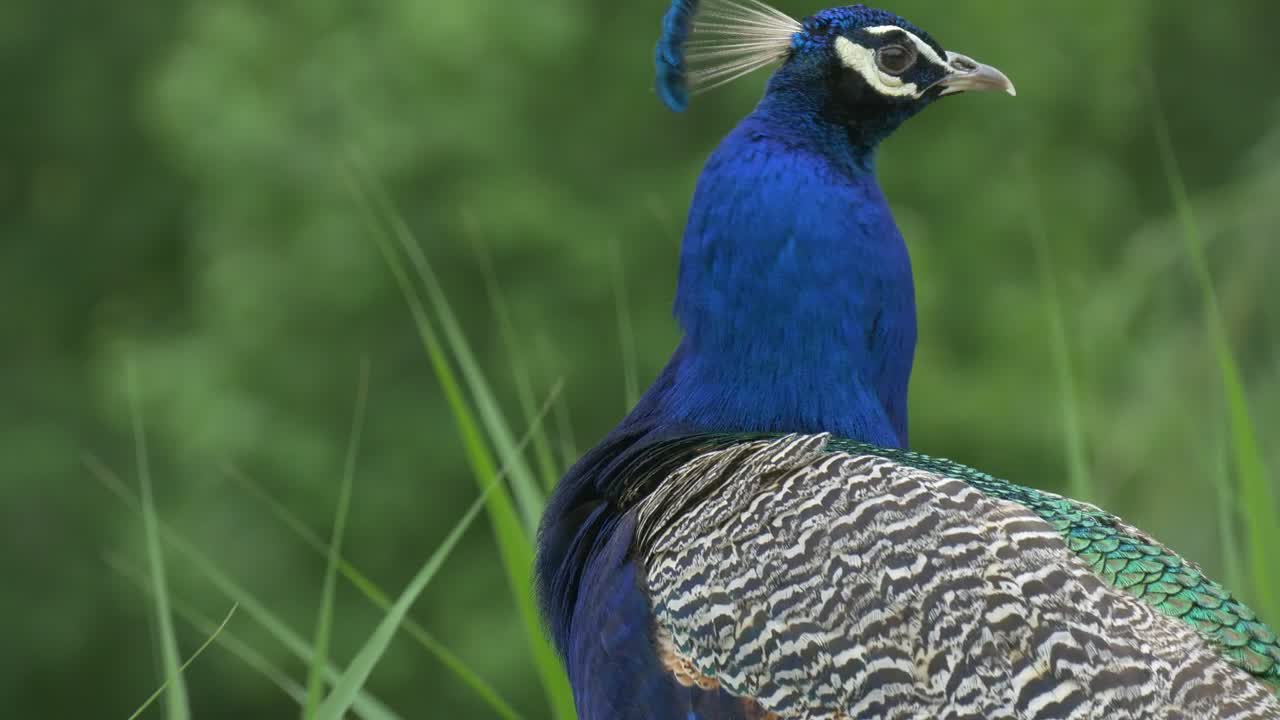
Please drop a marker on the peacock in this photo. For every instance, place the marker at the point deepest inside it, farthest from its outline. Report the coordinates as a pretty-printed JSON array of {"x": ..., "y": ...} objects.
[{"x": 755, "y": 540}]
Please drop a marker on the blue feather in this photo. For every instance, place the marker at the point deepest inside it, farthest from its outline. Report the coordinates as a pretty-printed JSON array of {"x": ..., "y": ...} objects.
[
  {"x": 669, "y": 56},
  {"x": 593, "y": 595},
  {"x": 795, "y": 291}
]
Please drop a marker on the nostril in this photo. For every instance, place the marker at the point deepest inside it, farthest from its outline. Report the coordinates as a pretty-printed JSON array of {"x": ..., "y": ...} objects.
[{"x": 964, "y": 64}]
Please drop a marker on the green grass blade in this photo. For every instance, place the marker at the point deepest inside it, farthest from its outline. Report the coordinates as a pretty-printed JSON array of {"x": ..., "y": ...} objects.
[
  {"x": 515, "y": 544},
  {"x": 564, "y": 429},
  {"x": 1078, "y": 476},
  {"x": 367, "y": 706},
  {"x": 1258, "y": 501},
  {"x": 1227, "y": 506},
  {"x": 357, "y": 674},
  {"x": 564, "y": 424},
  {"x": 371, "y": 591},
  {"x": 528, "y": 494},
  {"x": 375, "y": 595},
  {"x": 183, "y": 667},
  {"x": 176, "y": 703},
  {"x": 526, "y": 490},
  {"x": 626, "y": 335},
  {"x": 542, "y": 453},
  {"x": 206, "y": 626},
  {"x": 324, "y": 619}
]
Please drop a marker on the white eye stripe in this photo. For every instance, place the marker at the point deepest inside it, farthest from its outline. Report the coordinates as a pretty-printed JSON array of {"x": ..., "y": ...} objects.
[
  {"x": 862, "y": 60},
  {"x": 925, "y": 48}
]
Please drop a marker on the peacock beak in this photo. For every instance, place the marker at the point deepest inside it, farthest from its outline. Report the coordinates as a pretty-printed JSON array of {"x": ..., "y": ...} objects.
[{"x": 969, "y": 74}]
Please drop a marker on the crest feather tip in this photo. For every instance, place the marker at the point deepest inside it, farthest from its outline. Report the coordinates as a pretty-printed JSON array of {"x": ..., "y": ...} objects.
[{"x": 673, "y": 86}]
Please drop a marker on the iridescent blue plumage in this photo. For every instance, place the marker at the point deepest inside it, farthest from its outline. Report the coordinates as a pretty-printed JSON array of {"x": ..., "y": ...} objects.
[
  {"x": 669, "y": 56},
  {"x": 791, "y": 253},
  {"x": 796, "y": 302}
]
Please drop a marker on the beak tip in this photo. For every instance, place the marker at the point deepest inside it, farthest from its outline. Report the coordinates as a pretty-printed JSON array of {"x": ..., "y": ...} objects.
[{"x": 1013, "y": 92}]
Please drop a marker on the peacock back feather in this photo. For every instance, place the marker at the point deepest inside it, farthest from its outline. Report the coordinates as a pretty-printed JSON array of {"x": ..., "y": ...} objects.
[
  {"x": 1128, "y": 559},
  {"x": 807, "y": 572},
  {"x": 1123, "y": 556}
]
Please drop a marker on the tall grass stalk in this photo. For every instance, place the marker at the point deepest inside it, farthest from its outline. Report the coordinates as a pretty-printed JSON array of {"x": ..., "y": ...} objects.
[
  {"x": 564, "y": 430},
  {"x": 514, "y": 536},
  {"x": 324, "y": 618},
  {"x": 1078, "y": 476},
  {"x": 183, "y": 667},
  {"x": 542, "y": 453},
  {"x": 564, "y": 423},
  {"x": 374, "y": 594},
  {"x": 332, "y": 551},
  {"x": 206, "y": 626},
  {"x": 528, "y": 494},
  {"x": 347, "y": 688},
  {"x": 1257, "y": 498},
  {"x": 176, "y": 702},
  {"x": 367, "y": 706},
  {"x": 1227, "y": 506}
]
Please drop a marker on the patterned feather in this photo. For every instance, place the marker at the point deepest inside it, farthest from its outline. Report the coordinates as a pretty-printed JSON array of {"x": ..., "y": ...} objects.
[
  {"x": 1129, "y": 559},
  {"x": 828, "y": 578}
]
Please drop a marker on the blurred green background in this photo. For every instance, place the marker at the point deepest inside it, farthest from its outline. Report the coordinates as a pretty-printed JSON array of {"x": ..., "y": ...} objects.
[{"x": 173, "y": 193}]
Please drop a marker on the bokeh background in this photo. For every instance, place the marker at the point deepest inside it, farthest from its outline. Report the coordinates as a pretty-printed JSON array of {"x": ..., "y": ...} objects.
[{"x": 175, "y": 193}]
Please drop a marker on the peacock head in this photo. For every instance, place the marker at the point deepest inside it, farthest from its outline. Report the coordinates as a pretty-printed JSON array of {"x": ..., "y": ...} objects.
[{"x": 851, "y": 64}]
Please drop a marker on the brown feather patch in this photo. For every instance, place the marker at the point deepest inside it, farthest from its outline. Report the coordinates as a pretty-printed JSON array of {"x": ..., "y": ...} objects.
[{"x": 683, "y": 670}]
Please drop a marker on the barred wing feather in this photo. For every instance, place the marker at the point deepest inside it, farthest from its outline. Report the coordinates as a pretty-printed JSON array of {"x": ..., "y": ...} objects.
[{"x": 824, "y": 583}]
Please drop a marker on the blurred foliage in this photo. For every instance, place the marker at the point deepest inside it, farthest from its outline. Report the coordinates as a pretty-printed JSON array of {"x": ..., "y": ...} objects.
[{"x": 172, "y": 195}]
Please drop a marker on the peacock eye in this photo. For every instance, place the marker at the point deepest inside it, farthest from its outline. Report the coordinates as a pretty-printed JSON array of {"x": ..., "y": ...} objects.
[{"x": 895, "y": 59}]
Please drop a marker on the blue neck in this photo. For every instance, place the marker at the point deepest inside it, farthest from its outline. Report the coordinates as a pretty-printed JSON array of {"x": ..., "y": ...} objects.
[{"x": 795, "y": 292}]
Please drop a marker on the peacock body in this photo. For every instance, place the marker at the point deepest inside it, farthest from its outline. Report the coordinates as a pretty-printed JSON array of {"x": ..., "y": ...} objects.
[{"x": 754, "y": 540}]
